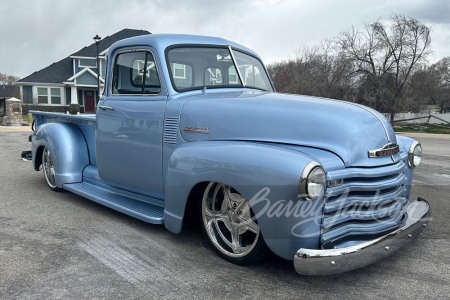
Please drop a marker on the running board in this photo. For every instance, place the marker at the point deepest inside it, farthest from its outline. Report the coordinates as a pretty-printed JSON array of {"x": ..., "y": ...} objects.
[{"x": 124, "y": 203}]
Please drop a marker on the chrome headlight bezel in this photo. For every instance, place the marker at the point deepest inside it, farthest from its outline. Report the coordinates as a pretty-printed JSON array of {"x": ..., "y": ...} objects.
[
  {"x": 305, "y": 177},
  {"x": 412, "y": 153}
]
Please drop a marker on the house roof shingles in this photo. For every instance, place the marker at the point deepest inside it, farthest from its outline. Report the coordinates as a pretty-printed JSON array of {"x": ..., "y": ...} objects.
[{"x": 60, "y": 71}]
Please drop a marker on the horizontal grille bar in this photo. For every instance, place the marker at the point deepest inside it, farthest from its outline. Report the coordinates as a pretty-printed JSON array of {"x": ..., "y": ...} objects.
[
  {"x": 374, "y": 185},
  {"x": 362, "y": 228},
  {"x": 376, "y": 214},
  {"x": 361, "y": 200},
  {"x": 370, "y": 201}
]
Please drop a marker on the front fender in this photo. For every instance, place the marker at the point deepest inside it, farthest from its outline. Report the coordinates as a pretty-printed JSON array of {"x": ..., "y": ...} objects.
[
  {"x": 68, "y": 147},
  {"x": 405, "y": 143},
  {"x": 266, "y": 175}
]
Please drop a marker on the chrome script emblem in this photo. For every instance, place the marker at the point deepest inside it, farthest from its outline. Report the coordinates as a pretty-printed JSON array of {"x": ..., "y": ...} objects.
[
  {"x": 196, "y": 130},
  {"x": 387, "y": 150}
]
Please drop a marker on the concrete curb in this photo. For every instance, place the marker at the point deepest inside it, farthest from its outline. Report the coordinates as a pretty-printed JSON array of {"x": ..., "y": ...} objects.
[{"x": 15, "y": 128}]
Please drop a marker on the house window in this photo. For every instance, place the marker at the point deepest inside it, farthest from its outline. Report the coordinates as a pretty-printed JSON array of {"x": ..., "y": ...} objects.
[
  {"x": 179, "y": 71},
  {"x": 49, "y": 95},
  {"x": 182, "y": 75},
  {"x": 56, "y": 96},
  {"x": 87, "y": 63},
  {"x": 42, "y": 95},
  {"x": 232, "y": 75}
]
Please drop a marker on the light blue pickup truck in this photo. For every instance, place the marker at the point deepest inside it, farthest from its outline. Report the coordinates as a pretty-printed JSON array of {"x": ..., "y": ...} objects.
[{"x": 191, "y": 125}]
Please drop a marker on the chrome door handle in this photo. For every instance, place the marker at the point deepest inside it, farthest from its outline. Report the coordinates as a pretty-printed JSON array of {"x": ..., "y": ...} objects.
[{"x": 106, "y": 107}]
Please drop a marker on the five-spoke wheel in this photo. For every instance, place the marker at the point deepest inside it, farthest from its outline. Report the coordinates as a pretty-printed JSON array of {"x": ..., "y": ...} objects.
[{"x": 230, "y": 225}]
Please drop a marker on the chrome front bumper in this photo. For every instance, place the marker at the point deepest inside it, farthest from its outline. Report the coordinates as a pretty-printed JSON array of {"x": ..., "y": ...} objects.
[{"x": 333, "y": 261}]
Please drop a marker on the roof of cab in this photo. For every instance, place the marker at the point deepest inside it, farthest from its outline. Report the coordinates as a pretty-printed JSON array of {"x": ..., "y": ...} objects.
[{"x": 162, "y": 41}]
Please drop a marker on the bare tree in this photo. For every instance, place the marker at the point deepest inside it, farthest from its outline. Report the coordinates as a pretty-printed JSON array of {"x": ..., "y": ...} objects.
[
  {"x": 7, "y": 79},
  {"x": 317, "y": 71},
  {"x": 441, "y": 71},
  {"x": 384, "y": 57}
]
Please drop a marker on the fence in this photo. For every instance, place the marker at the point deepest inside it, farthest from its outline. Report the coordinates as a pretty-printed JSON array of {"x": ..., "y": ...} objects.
[{"x": 421, "y": 120}]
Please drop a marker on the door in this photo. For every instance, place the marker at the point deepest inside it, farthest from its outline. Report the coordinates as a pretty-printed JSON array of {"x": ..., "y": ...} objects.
[
  {"x": 130, "y": 126},
  {"x": 89, "y": 101}
]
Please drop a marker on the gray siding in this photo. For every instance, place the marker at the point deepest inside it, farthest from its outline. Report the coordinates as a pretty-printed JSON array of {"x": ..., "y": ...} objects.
[{"x": 87, "y": 78}]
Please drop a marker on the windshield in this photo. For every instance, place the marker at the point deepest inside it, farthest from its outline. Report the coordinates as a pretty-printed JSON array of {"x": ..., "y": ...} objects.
[{"x": 213, "y": 67}]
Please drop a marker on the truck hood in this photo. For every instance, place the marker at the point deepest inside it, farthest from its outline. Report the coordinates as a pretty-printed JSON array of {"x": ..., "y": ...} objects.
[{"x": 346, "y": 129}]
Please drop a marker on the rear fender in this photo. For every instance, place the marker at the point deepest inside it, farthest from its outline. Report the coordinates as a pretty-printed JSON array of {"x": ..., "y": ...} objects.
[{"x": 68, "y": 147}]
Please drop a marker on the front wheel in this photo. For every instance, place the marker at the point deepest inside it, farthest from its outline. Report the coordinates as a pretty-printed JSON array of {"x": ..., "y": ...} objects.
[
  {"x": 230, "y": 225},
  {"x": 49, "y": 170}
]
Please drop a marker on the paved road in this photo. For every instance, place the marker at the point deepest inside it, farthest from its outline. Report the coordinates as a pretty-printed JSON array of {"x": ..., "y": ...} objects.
[{"x": 59, "y": 245}]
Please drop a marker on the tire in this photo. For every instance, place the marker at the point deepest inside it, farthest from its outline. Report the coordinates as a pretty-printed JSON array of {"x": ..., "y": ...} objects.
[
  {"x": 230, "y": 226},
  {"x": 49, "y": 170}
]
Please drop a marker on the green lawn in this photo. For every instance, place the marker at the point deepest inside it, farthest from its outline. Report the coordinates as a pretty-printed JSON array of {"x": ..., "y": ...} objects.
[{"x": 428, "y": 129}]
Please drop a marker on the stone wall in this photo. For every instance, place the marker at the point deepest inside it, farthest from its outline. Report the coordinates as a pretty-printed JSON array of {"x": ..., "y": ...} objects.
[{"x": 13, "y": 112}]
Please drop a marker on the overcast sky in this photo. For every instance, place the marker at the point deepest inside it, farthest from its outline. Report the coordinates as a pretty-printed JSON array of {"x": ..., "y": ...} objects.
[{"x": 37, "y": 33}]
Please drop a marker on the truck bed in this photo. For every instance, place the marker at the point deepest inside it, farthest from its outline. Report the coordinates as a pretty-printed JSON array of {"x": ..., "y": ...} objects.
[
  {"x": 42, "y": 117},
  {"x": 86, "y": 123}
]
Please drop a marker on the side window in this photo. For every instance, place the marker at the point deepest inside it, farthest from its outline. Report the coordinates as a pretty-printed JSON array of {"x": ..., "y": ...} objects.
[
  {"x": 182, "y": 75},
  {"x": 135, "y": 73},
  {"x": 213, "y": 76}
]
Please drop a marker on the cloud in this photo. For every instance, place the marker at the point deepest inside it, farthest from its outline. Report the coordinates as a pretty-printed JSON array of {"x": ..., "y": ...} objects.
[{"x": 38, "y": 33}]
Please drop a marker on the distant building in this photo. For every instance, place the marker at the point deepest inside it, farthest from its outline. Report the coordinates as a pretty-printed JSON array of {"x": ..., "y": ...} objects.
[
  {"x": 6, "y": 92},
  {"x": 53, "y": 87},
  {"x": 429, "y": 109}
]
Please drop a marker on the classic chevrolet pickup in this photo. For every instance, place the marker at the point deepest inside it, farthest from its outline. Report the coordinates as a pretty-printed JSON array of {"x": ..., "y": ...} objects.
[{"x": 192, "y": 125}]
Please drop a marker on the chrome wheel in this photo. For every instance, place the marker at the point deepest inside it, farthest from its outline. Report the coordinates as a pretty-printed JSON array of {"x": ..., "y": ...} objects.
[
  {"x": 228, "y": 222},
  {"x": 49, "y": 169}
]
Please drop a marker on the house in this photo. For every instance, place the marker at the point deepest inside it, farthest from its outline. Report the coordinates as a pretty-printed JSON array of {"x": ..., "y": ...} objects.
[
  {"x": 429, "y": 109},
  {"x": 6, "y": 92},
  {"x": 72, "y": 79}
]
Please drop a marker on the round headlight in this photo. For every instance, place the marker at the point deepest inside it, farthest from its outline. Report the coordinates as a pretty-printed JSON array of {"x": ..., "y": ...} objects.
[
  {"x": 312, "y": 181},
  {"x": 415, "y": 155}
]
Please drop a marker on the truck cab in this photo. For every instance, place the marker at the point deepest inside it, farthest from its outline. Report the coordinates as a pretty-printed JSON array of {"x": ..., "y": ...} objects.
[{"x": 192, "y": 123}]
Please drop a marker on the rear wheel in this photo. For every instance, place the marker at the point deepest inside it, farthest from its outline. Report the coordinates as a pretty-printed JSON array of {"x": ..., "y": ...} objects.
[
  {"x": 49, "y": 170},
  {"x": 230, "y": 225}
]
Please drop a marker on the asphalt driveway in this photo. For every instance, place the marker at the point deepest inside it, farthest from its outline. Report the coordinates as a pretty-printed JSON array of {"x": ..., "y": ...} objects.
[{"x": 60, "y": 245}]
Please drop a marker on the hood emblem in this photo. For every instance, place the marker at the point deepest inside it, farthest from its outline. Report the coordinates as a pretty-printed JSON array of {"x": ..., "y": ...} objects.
[
  {"x": 196, "y": 130},
  {"x": 387, "y": 150}
]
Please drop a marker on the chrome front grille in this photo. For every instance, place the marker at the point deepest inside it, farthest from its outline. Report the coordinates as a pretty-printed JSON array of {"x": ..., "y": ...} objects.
[{"x": 369, "y": 201}]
